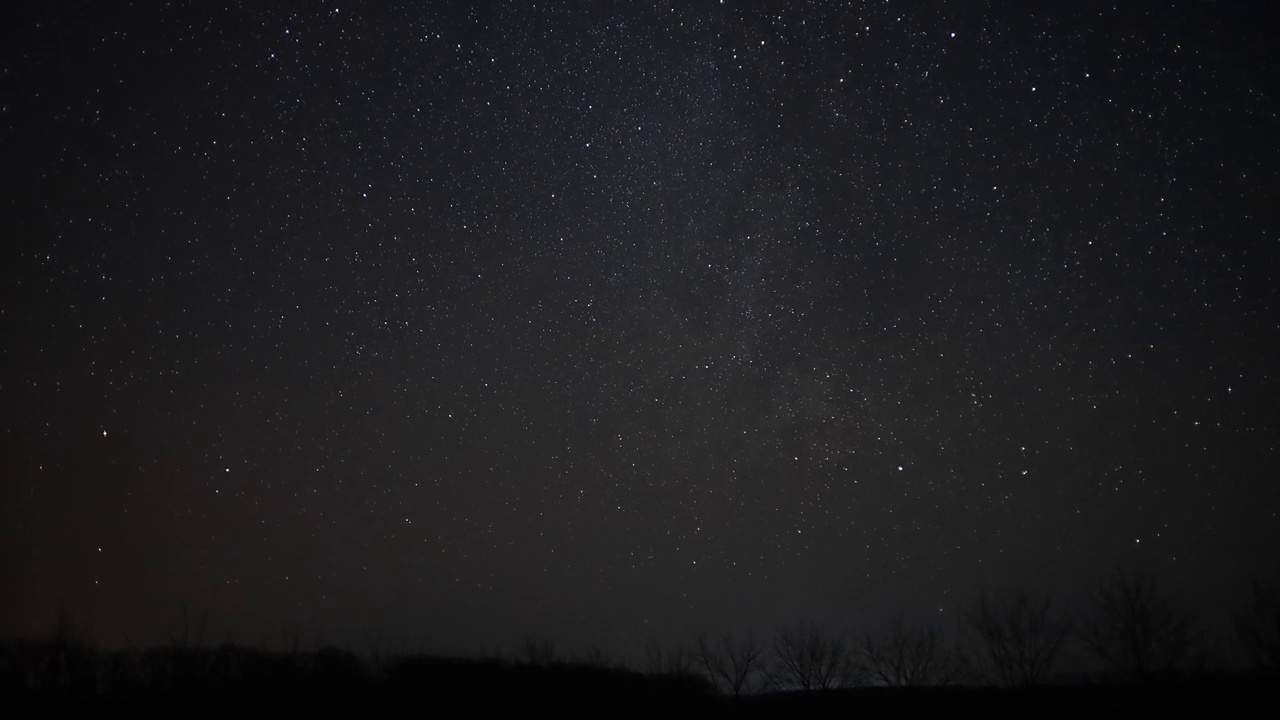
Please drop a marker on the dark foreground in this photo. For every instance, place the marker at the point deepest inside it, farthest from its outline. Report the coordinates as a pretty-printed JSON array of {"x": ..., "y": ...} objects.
[{"x": 40, "y": 677}]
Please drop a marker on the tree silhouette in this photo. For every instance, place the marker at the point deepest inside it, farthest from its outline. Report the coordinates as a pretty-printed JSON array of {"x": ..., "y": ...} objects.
[
  {"x": 807, "y": 658},
  {"x": 1019, "y": 636},
  {"x": 537, "y": 651},
  {"x": 1258, "y": 627},
  {"x": 1134, "y": 628},
  {"x": 659, "y": 660},
  {"x": 730, "y": 662},
  {"x": 910, "y": 656}
]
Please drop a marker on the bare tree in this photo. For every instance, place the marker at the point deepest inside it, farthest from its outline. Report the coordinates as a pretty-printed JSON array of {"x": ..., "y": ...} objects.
[
  {"x": 598, "y": 656},
  {"x": 732, "y": 663},
  {"x": 808, "y": 658},
  {"x": 662, "y": 661},
  {"x": 1135, "y": 629},
  {"x": 1258, "y": 627},
  {"x": 910, "y": 656},
  {"x": 383, "y": 652},
  {"x": 535, "y": 651},
  {"x": 66, "y": 666},
  {"x": 1018, "y": 636},
  {"x": 186, "y": 639}
]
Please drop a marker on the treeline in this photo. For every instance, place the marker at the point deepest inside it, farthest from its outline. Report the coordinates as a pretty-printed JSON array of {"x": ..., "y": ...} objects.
[
  {"x": 67, "y": 673},
  {"x": 1135, "y": 634},
  {"x": 1132, "y": 631}
]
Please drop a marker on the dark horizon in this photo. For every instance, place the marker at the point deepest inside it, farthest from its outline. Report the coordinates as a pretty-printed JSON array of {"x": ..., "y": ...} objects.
[{"x": 611, "y": 324}]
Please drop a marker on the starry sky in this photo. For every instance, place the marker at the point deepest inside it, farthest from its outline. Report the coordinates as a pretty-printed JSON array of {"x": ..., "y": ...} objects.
[{"x": 616, "y": 321}]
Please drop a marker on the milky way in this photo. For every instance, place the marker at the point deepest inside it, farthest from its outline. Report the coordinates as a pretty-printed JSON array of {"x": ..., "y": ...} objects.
[{"x": 609, "y": 323}]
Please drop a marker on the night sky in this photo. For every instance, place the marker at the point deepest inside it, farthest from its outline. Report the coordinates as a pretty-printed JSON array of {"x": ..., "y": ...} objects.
[{"x": 609, "y": 322}]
